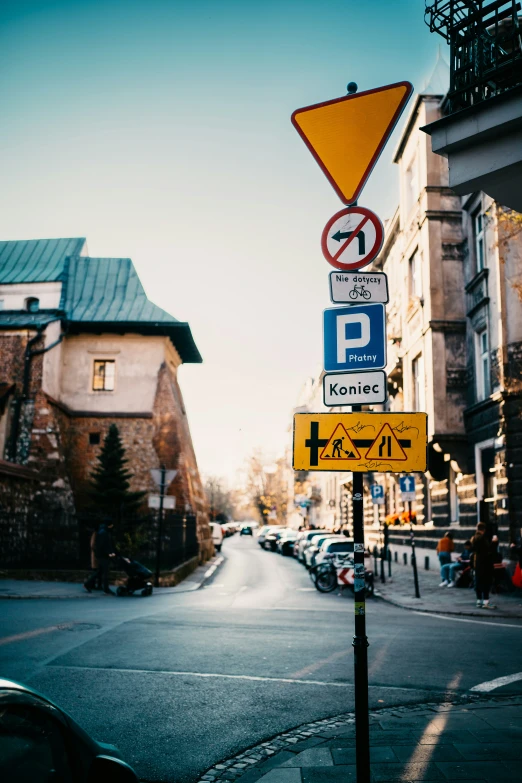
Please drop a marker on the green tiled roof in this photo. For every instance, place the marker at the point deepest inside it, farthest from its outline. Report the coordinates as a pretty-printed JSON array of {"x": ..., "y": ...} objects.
[
  {"x": 106, "y": 294},
  {"x": 98, "y": 294},
  {"x": 36, "y": 260}
]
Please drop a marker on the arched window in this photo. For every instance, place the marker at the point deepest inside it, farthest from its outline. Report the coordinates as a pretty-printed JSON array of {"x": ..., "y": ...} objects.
[{"x": 32, "y": 304}]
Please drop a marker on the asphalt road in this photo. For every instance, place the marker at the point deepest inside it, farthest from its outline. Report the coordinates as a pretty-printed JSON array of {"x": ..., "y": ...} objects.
[{"x": 182, "y": 681}]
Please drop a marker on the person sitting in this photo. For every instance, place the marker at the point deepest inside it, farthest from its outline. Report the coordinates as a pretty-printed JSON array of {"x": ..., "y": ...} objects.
[
  {"x": 444, "y": 549},
  {"x": 449, "y": 571}
]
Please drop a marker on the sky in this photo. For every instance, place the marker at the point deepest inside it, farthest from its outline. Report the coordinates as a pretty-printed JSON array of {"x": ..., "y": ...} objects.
[{"x": 160, "y": 130}]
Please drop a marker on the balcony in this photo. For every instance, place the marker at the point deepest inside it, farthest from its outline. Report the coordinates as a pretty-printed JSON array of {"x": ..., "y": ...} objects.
[{"x": 481, "y": 132}]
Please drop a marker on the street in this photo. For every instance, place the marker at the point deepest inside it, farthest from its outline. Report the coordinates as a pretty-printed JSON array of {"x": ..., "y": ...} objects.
[{"x": 182, "y": 681}]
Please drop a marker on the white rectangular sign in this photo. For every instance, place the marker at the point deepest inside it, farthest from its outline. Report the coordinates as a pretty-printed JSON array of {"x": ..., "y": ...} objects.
[
  {"x": 354, "y": 388},
  {"x": 169, "y": 501},
  {"x": 358, "y": 287}
]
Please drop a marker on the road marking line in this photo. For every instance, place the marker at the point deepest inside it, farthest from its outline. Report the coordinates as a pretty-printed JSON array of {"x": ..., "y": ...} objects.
[
  {"x": 486, "y": 687},
  {"x": 464, "y": 620},
  {"x": 250, "y": 677},
  {"x": 20, "y": 637}
]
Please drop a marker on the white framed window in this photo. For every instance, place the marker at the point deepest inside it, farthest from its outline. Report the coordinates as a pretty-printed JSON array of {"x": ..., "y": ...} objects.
[
  {"x": 482, "y": 365},
  {"x": 415, "y": 275},
  {"x": 411, "y": 184},
  {"x": 417, "y": 381},
  {"x": 479, "y": 237},
  {"x": 104, "y": 374}
]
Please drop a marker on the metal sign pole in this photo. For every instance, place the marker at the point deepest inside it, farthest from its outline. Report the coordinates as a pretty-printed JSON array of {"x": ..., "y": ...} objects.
[
  {"x": 160, "y": 527},
  {"x": 360, "y": 640},
  {"x": 413, "y": 555}
]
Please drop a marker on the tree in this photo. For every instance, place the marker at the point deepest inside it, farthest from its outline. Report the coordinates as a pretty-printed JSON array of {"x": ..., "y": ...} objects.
[
  {"x": 266, "y": 488},
  {"x": 220, "y": 499},
  {"x": 110, "y": 481}
]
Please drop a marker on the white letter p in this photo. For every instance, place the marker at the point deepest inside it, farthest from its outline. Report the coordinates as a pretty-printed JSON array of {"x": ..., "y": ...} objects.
[{"x": 344, "y": 344}]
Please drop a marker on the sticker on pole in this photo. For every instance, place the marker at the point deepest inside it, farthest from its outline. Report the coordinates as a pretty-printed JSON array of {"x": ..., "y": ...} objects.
[{"x": 352, "y": 238}]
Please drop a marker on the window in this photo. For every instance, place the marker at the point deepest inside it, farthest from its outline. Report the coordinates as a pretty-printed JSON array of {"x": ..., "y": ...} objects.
[
  {"x": 103, "y": 377},
  {"x": 417, "y": 377},
  {"x": 415, "y": 275},
  {"x": 32, "y": 304},
  {"x": 412, "y": 185},
  {"x": 478, "y": 235},
  {"x": 482, "y": 364},
  {"x": 94, "y": 438},
  {"x": 2, "y": 304}
]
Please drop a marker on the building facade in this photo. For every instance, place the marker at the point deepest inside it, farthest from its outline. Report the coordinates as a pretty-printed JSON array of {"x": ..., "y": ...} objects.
[{"x": 82, "y": 348}]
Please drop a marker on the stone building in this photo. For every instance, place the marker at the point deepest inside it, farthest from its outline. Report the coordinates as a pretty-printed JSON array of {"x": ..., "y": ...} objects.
[{"x": 82, "y": 347}]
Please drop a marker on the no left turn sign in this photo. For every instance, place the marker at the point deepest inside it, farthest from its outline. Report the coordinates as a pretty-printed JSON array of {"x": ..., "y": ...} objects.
[{"x": 352, "y": 238}]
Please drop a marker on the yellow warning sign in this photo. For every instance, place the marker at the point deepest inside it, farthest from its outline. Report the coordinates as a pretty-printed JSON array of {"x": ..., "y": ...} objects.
[
  {"x": 347, "y": 135},
  {"x": 340, "y": 446},
  {"x": 381, "y": 442},
  {"x": 386, "y": 445}
]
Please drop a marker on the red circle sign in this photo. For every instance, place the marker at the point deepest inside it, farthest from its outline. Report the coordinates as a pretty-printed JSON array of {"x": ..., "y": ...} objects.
[{"x": 352, "y": 238}]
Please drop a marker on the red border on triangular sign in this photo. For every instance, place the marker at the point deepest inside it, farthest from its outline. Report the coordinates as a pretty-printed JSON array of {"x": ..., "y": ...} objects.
[
  {"x": 377, "y": 153},
  {"x": 350, "y": 441},
  {"x": 387, "y": 459}
]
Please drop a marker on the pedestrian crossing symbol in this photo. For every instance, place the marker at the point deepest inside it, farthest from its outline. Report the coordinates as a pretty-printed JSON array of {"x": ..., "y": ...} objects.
[
  {"x": 386, "y": 446},
  {"x": 385, "y": 442},
  {"x": 340, "y": 446}
]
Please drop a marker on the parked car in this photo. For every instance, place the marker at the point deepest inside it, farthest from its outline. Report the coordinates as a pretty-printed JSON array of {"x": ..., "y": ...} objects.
[
  {"x": 262, "y": 533},
  {"x": 217, "y": 535},
  {"x": 331, "y": 546},
  {"x": 246, "y": 530},
  {"x": 39, "y": 742},
  {"x": 285, "y": 545},
  {"x": 304, "y": 540},
  {"x": 314, "y": 546}
]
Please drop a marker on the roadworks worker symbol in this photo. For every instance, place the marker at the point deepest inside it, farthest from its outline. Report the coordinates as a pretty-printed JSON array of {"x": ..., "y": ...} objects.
[
  {"x": 340, "y": 446},
  {"x": 386, "y": 446},
  {"x": 382, "y": 442}
]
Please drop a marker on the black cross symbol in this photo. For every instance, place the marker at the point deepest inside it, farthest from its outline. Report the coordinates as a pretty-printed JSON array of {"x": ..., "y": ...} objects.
[{"x": 314, "y": 443}]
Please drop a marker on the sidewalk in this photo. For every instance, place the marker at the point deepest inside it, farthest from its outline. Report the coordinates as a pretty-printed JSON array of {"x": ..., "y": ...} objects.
[
  {"x": 460, "y": 601},
  {"x": 474, "y": 739},
  {"x": 24, "y": 589}
]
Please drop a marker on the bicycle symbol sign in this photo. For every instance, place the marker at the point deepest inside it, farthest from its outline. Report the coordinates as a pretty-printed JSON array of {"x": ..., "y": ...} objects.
[
  {"x": 352, "y": 238},
  {"x": 352, "y": 287}
]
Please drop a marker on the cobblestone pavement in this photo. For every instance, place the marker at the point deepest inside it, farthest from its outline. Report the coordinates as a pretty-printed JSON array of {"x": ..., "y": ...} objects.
[
  {"x": 400, "y": 591},
  {"x": 475, "y": 739}
]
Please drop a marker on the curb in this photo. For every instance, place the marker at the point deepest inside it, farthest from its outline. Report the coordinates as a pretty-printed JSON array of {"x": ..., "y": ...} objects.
[
  {"x": 256, "y": 759},
  {"x": 455, "y": 613},
  {"x": 85, "y": 596}
]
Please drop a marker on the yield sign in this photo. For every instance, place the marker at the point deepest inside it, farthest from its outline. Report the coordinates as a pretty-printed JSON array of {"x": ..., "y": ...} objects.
[
  {"x": 386, "y": 446},
  {"x": 347, "y": 135},
  {"x": 340, "y": 446}
]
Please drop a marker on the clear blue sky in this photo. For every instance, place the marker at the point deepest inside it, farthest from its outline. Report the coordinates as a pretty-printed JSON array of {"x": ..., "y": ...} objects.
[{"x": 160, "y": 130}]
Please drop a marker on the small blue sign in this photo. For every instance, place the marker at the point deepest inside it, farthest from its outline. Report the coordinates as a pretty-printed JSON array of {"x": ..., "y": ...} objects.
[
  {"x": 407, "y": 485},
  {"x": 354, "y": 338},
  {"x": 377, "y": 491}
]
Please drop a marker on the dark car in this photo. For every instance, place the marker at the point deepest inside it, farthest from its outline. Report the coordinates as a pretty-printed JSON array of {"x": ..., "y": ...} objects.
[
  {"x": 246, "y": 530},
  {"x": 39, "y": 742},
  {"x": 285, "y": 545}
]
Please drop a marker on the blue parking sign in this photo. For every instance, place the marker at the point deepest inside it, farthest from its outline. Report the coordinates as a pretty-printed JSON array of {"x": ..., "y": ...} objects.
[
  {"x": 354, "y": 337},
  {"x": 377, "y": 491}
]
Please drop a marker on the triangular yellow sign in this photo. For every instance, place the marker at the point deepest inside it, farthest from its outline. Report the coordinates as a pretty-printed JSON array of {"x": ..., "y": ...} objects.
[
  {"x": 340, "y": 446},
  {"x": 386, "y": 446},
  {"x": 347, "y": 135}
]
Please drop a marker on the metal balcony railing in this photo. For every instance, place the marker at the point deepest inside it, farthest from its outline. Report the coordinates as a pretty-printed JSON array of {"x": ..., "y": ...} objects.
[{"x": 485, "y": 39}]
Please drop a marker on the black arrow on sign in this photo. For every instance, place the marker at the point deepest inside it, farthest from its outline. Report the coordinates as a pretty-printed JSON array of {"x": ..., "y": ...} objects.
[{"x": 347, "y": 234}]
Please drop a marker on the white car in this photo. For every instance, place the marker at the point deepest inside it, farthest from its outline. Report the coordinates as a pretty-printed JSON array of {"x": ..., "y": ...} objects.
[
  {"x": 217, "y": 535},
  {"x": 314, "y": 546},
  {"x": 262, "y": 534},
  {"x": 333, "y": 546},
  {"x": 304, "y": 539}
]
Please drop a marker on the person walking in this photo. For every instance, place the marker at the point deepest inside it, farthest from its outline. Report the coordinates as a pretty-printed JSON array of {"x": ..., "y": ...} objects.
[
  {"x": 104, "y": 550},
  {"x": 444, "y": 549},
  {"x": 483, "y": 565}
]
